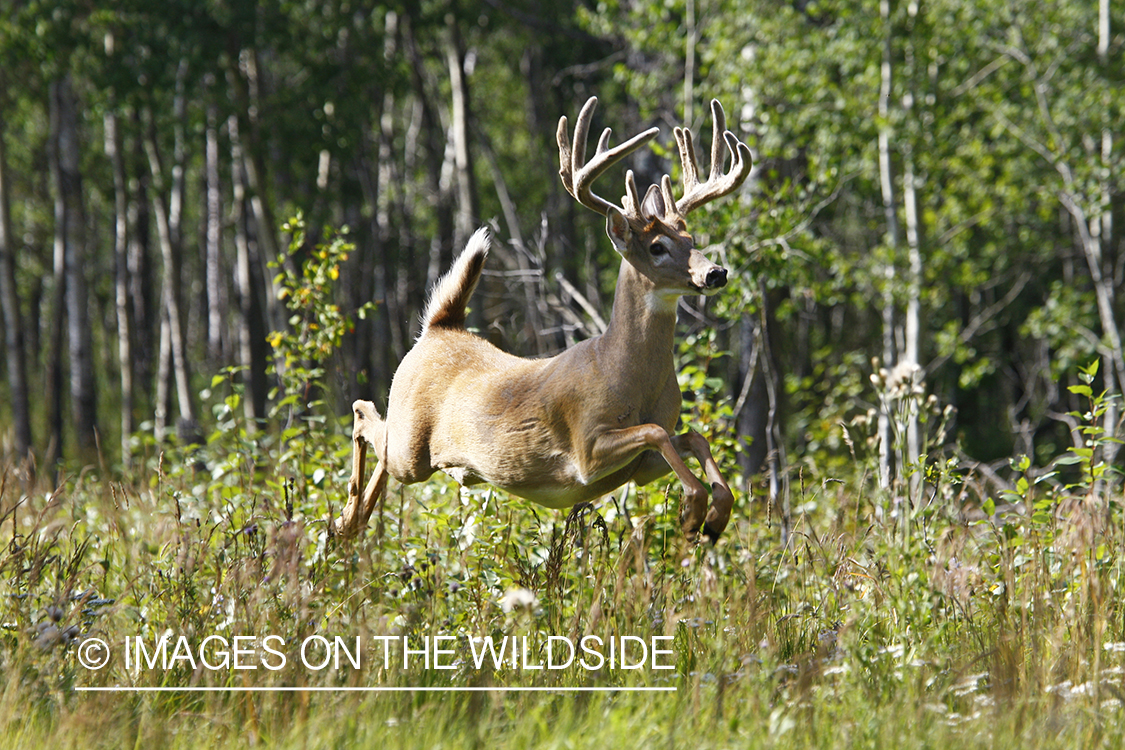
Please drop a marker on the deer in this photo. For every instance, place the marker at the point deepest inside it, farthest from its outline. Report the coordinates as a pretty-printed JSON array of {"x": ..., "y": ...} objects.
[{"x": 574, "y": 427}]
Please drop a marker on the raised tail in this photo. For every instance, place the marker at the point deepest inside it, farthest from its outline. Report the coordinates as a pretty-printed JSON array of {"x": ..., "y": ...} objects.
[{"x": 446, "y": 308}]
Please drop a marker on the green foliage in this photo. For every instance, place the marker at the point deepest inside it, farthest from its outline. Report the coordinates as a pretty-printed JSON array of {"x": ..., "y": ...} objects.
[
  {"x": 994, "y": 109},
  {"x": 1090, "y": 455},
  {"x": 317, "y": 326},
  {"x": 302, "y": 352}
]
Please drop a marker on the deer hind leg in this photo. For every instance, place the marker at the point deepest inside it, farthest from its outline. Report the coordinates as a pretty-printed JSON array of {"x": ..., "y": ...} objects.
[
  {"x": 722, "y": 499},
  {"x": 368, "y": 429},
  {"x": 616, "y": 446}
]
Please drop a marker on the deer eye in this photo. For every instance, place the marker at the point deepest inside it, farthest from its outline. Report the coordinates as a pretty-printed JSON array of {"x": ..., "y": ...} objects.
[{"x": 658, "y": 247}]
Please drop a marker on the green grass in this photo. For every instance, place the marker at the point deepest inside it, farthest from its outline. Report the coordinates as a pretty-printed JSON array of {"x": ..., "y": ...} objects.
[{"x": 1003, "y": 631}]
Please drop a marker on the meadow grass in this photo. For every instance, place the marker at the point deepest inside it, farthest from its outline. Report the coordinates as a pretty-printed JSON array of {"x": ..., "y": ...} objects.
[{"x": 862, "y": 631}]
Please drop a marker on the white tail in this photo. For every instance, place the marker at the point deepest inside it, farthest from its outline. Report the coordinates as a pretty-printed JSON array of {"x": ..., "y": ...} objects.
[
  {"x": 446, "y": 306},
  {"x": 576, "y": 426}
]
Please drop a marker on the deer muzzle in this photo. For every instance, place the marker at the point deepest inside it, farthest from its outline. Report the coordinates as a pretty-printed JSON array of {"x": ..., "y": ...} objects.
[{"x": 706, "y": 276}]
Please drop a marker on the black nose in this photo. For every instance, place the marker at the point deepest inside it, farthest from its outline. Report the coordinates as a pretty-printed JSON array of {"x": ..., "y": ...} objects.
[{"x": 716, "y": 278}]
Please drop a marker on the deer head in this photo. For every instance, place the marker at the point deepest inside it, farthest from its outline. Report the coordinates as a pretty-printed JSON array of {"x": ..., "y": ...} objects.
[{"x": 651, "y": 234}]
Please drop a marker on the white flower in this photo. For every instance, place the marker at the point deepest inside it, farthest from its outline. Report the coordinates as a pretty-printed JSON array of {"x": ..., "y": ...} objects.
[
  {"x": 904, "y": 380},
  {"x": 519, "y": 598}
]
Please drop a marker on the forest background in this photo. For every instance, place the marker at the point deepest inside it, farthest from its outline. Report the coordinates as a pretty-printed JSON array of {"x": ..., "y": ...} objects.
[
  {"x": 935, "y": 191},
  {"x": 912, "y": 379}
]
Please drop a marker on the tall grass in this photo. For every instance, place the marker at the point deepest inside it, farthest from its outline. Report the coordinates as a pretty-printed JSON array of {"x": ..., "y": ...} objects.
[{"x": 1004, "y": 629}]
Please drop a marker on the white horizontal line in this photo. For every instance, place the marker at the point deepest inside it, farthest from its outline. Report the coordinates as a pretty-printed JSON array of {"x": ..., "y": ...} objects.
[{"x": 345, "y": 689}]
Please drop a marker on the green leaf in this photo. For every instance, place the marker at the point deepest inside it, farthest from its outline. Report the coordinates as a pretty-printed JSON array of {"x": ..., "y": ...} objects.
[{"x": 1010, "y": 496}]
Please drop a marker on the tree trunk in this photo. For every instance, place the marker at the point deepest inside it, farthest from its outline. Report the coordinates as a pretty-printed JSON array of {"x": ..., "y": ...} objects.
[
  {"x": 142, "y": 305},
  {"x": 886, "y": 181},
  {"x": 1114, "y": 374},
  {"x": 757, "y": 407},
  {"x": 467, "y": 210},
  {"x": 433, "y": 150},
  {"x": 1103, "y": 227},
  {"x": 758, "y": 369},
  {"x": 389, "y": 218},
  {"x": 245, "y": 83},
  {"x": 121, "y": 280},
  {"x": 176, "y": 191},
  {"x": 172, "y": 361},
  {"x": 251, "y": 325},
  {"x": 70, "y": 278},
  {"x": 167, "y": 227},
  {"x": 14, "y": 345},
  {"x": 370, "y": 258},
  {"x": 216, "y": 296},
  {"x": 162, "y": 400},
  {"x": 912, "y": 322}
]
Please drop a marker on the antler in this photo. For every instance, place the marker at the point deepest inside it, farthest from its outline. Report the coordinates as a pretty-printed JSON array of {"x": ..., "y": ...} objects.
[
  {"x": 577, "y": 175},
  {"x": 717, "y": 184}
]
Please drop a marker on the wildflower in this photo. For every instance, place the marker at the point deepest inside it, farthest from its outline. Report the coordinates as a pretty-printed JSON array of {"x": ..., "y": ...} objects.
[{"x": 518, "y": 598}]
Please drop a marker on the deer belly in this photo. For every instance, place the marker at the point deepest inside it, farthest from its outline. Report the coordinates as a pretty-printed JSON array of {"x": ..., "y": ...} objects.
[
  {"x": 552, "y": 484},
  {"x": 549, "y": 483}
]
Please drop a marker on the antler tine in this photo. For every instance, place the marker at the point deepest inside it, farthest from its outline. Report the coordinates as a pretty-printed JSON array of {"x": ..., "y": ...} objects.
[
  {"x": 718, "y": 126},
  {"x": 577, "y": 175},
  {"x": 581, "y": 131},
  {"x": 686, "y": 144},
  {"x": 603, "y": 142},
  {"x": 717, "y": 184},
  {"x": 631, "y": 202},
  {"x": 666, "y": 194}
]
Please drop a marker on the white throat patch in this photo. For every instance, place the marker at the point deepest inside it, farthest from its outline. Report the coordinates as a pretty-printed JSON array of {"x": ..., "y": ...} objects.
[{"x": 662, "y": 303}]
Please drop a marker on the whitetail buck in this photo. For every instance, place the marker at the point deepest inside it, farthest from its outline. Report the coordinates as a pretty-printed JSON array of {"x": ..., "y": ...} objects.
[{"x": 576, "y": 426}]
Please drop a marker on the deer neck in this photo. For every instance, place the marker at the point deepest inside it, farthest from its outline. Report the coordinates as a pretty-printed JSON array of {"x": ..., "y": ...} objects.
[{"x": 643, "y": 321}]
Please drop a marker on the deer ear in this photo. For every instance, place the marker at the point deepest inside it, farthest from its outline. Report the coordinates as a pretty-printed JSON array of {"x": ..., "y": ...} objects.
[
  {"x": 653, "y": 205},
  {"x": 617, "y": 227}
]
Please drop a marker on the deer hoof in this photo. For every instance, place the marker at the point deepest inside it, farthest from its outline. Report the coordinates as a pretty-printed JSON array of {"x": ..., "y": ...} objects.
[
  {"x": 690, "y": 528},
  {"x": 711, "y": 533}
]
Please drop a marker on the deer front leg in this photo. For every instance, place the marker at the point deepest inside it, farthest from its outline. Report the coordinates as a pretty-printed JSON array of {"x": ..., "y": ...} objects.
[
  {"x": 347, "y": 525},
  {"x": 367, "y": 429},
  {"x": 722, "y": 498},
  {"x": 617, "y": 446}
]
